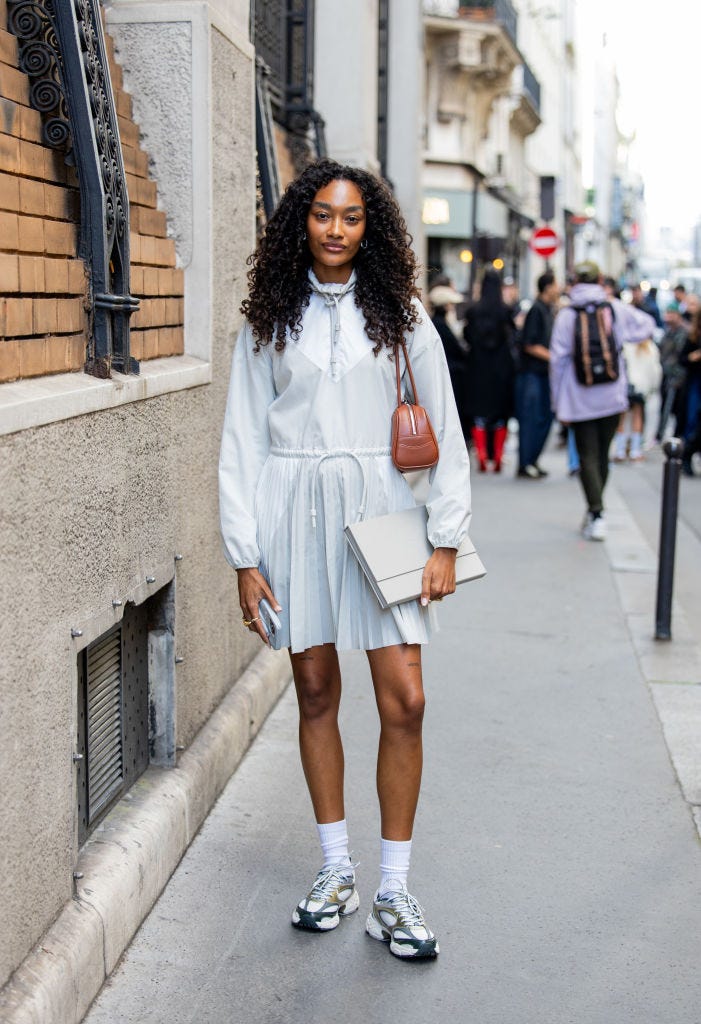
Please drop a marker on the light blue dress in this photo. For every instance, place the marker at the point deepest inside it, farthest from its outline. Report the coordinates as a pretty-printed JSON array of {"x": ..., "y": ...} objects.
[{"x": 305, "y": 451}]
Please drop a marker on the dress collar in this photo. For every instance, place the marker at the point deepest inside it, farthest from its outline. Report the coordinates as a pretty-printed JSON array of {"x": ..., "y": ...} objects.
[{"x": 335, "y": 289}]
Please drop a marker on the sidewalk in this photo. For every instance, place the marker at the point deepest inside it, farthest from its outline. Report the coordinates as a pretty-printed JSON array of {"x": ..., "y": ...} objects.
[{"x": 555, "y": 853}]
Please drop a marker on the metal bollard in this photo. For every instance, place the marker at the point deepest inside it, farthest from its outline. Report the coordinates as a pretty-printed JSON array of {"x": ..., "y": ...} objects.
[{"x": 673, "y": 449}]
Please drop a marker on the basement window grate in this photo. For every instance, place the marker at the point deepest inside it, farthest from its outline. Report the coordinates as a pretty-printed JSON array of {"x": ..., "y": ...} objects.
[{"x": 112, "y": 716}]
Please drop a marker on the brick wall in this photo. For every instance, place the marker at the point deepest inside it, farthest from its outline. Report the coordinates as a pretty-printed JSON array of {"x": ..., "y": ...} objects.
[{"x": 43, "y": 320}]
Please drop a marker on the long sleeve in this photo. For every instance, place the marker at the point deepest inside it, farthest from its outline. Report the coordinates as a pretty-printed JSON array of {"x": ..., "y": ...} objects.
[
  {"x": 561, "y": 345},
  {"x": 688, "y": 347},
  {"x": 631, "y": 325},
  {"x": 448, "y": 500},
  {"x": 244, "y": 449}
]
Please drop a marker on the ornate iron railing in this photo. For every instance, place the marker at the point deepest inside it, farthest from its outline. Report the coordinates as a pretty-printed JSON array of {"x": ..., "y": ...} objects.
[
  {"x": 268, "y": 172},
  {"x": 62, "y": 50}
]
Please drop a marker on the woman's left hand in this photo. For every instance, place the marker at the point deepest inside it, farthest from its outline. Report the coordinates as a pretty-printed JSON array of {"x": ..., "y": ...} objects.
[{"x": 439, "y": 575}]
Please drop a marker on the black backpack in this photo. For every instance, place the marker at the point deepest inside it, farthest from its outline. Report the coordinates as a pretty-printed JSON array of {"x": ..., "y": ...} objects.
[{"x": 596, "y": 355}]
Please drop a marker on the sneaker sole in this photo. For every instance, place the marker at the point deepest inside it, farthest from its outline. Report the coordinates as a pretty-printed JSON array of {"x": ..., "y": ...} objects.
[
  {"x": 316, "y": 922},
  {"x": 427, "y": 950}
]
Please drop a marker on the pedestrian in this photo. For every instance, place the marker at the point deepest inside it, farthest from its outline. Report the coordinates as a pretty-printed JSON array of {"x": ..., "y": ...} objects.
[
  {"x": 592, "y": 326},
  {"x": 690, "y": 358},
  {"x": 644, "y": 374},
  {"x": 512, "y": 300},
  {"x": 653, "y": 307},
  {"x": 692, "y": 305},
  {"x": 673, "y": 394},
  {"x": 490, "y": 371},
  {"x": 305, "y": 447},
  {"x": 533, "y": 409},
  {"x": 647, "y": 302},
  {"x": 443, "y": 299},
  {"x": 611, "y": 287},
  {"x": 572, "y": 454},
  {"x": 679, "y": 292}
]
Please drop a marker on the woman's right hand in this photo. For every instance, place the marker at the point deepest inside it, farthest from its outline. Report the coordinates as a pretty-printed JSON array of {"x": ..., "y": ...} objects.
[{"x": 253, "y": 587}]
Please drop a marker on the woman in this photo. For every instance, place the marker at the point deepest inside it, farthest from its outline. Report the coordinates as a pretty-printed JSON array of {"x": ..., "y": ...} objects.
[
  {"x": 305, "y": 445},
  {"x": 690, "y": 359},
  {"x": 490, "y": 382},
  {"x": 443, "y": 299},
  {"x": 644, "y": 372}
]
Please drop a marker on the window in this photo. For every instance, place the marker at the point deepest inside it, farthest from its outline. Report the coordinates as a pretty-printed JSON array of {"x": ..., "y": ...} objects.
[
  {"x": 283, "y": 35},
  {"x": 382, "y": 83}
]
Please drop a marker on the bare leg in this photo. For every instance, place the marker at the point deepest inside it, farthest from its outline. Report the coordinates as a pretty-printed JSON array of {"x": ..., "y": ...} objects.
[
  {"x": 317, "y": 677},
  {"x": 396, "y": 676},
  {"x": 637, "y": 414}
]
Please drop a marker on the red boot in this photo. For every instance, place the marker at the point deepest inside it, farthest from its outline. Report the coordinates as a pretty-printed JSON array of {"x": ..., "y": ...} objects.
[
  {"x": 479, "y": 438},
  {"x": 500, "y": 434}
]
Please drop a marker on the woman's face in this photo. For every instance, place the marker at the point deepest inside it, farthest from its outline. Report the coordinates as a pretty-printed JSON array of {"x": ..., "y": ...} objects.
[{"x": 335, "y": 229}]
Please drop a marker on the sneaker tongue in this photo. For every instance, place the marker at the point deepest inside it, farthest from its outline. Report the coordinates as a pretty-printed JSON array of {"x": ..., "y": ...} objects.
[{"x": 391, "y": 887}]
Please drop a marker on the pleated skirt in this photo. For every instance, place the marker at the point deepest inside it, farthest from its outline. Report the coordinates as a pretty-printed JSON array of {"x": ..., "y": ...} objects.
[{"x": 304, "y": 500}]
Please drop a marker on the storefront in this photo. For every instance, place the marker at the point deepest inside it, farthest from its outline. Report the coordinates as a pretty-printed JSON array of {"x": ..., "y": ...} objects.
[{"x": 466, "y": 231}]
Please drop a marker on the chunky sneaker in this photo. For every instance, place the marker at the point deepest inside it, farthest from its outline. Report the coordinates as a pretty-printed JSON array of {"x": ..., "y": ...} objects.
[
  {"x": 594, "y": 527},
  {"x": 332, "y": 897},
  {"x": 397, "y": 918}
]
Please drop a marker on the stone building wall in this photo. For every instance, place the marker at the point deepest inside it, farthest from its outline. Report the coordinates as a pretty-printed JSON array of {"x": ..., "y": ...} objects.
[
  {"x": 43, "y": 286},
  {"x": 103, "y": 482}
]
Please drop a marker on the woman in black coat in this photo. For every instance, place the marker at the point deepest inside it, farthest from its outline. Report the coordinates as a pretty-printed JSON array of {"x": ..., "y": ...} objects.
[
  {"x": 490, "y": 370},
  {"x": 443, "y": 299}
]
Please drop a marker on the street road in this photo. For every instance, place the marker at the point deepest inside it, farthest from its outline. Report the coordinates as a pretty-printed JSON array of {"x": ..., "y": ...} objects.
[{"x": 554, "y": 854}]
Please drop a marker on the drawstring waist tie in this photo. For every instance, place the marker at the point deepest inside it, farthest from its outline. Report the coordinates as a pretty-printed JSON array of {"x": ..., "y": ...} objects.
[{"x": 321, "y": 456}]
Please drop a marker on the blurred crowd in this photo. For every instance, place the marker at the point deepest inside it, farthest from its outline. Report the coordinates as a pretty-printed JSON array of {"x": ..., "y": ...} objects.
[{"x": 498, "y": 353}]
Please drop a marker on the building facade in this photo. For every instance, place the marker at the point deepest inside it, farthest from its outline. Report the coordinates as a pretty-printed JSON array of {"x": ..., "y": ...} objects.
[
  {"x": 501, "y": 149},
  {"x": 127, "y": 211}
]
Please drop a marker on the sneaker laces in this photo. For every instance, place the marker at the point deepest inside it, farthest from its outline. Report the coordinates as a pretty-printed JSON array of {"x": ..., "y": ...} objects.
[
  {"x": 330, "y": 878},
  {"x": 406, "y": 905}
]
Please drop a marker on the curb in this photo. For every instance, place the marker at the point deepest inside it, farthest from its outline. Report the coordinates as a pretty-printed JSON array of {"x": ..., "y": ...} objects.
[
  {"x": 129, "y": 858},
  {"x": 672, "y": 671}
]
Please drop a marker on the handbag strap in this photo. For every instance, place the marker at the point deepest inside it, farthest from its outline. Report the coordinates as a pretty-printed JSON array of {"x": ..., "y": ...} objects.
[{"x": 399, "y": 376}]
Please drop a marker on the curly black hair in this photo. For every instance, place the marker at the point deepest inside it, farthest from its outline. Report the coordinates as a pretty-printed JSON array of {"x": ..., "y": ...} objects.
[{"x": 279, "y": 286}]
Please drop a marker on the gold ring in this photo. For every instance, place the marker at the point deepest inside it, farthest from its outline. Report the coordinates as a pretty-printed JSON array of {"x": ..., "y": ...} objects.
[
  {"x": 438, "y": 599},
  {"x": 249, "y": 622}
]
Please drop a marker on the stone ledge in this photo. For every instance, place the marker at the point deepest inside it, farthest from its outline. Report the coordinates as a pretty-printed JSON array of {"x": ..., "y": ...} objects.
[
  {"x": 39, "y": 401},
  {"x": 129, "y": 858}
]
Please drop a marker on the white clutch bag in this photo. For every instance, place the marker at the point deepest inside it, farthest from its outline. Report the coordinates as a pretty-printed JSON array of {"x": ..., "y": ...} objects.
[{"x": 393, "y": 550}]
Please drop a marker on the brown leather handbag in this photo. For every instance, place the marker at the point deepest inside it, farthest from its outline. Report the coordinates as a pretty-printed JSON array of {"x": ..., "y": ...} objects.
[{"x": 414, "y": 445}]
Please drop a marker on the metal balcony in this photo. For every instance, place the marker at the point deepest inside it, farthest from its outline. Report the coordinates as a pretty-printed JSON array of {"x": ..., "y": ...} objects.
[
  {"x": 531, "y": 87},
  {"x": 501, "y": 11}
]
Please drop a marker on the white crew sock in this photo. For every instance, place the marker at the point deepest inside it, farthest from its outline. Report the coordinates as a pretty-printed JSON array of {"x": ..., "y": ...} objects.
[
  {"x": 394, "y": 863},
  {"x": 621, "y": 444},
  {"x": 636, "y": 445},
  {"x": 334, "y": 842}
]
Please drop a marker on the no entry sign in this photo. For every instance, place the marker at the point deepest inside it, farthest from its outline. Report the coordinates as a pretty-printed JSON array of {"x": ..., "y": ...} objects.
[{"x": 544, "y": 242}]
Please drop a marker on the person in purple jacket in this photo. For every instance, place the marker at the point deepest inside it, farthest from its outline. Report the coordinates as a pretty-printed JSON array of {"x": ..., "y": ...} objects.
[{"x": 592, "y": 410}]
